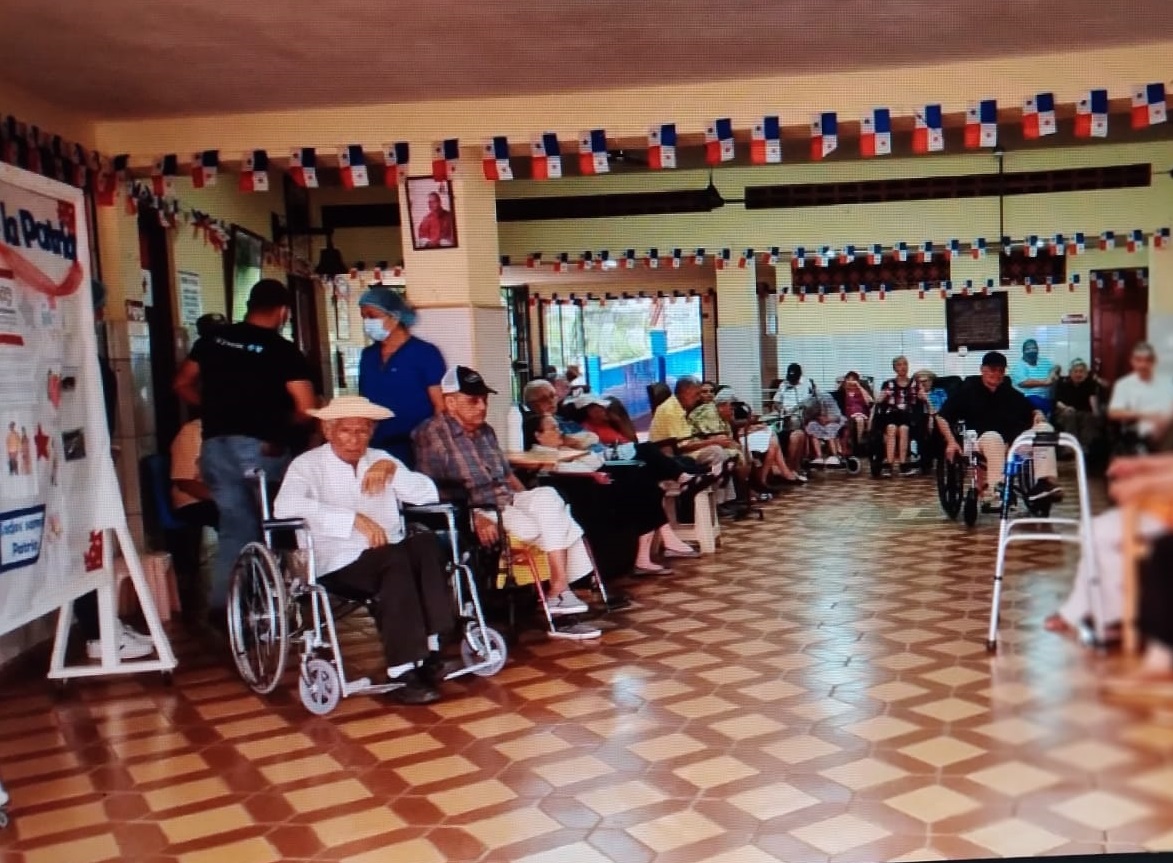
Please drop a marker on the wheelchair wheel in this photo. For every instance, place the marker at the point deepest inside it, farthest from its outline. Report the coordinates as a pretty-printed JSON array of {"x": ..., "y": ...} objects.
[
  {"x": 853, "y": 465},
  {"x": 476, "y": 646},
  {"x": 970, "y": 508},
  {"x": 949, "y": 490},
  {"x": 258, "y": 624},
  {"x": 320, "y": 686}
]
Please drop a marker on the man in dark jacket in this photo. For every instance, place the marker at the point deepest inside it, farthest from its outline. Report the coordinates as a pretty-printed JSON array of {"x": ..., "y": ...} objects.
[{"x": 990, "y": 406}]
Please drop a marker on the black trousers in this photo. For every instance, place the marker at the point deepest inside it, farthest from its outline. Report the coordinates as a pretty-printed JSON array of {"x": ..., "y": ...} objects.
[
  {"x": 409, "y": 580},
  {"x": 1156, "y": 592},
  {"x": 665, "y": 467}
]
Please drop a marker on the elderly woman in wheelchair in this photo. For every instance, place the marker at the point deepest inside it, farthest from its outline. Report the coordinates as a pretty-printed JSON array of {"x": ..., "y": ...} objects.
[
  {"x": 342, "y": 502},
  {"x": 980, "y": 420}
]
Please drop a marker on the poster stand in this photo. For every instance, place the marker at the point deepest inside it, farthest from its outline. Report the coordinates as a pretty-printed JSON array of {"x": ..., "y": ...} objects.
[
  {"x": 60, "y": 504},
  {"x": 164, "y": 660}
]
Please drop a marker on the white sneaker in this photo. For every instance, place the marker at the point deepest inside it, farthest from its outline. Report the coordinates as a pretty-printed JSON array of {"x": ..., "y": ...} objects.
[
  {"x": 133, "y": 634},
  {"x": 832, "y": 461},
  {"x": 566, "y": 603},
  {"x": 128, "y": 648},
  {"x": 816, "y": 461}
]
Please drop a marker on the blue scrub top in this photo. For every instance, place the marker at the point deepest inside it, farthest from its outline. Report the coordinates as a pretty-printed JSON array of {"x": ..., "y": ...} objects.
[{"x": 401, "y": 384}]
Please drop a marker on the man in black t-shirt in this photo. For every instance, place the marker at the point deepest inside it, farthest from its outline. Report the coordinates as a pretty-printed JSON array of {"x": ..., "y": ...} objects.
[
  {"x": 992, "y": 407},
  {"x": 253, "y": 389},
  {"x": 1077, "y": 405}
]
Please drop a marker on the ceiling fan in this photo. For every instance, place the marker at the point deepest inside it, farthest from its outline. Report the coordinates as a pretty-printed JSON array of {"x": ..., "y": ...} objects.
[{"x": 713, "y": 197}]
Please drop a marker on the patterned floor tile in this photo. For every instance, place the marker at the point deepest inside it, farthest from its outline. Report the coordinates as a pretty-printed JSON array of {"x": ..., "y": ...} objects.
[{"x": 775, "y": 701}]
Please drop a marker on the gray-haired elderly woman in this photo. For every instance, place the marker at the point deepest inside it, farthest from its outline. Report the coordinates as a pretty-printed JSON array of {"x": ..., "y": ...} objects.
[{"x": 398, "y": 371}]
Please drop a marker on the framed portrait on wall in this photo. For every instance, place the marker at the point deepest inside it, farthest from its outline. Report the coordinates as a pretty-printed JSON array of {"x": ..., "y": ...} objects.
[{"x": 432, "y": 214}]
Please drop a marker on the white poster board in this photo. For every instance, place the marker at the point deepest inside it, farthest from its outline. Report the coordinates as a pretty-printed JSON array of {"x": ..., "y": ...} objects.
[{"x": 60, "y": 507}]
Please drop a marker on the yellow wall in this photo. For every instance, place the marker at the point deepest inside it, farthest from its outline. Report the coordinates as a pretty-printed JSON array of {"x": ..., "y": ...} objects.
[{"x": 369, "y": 245}]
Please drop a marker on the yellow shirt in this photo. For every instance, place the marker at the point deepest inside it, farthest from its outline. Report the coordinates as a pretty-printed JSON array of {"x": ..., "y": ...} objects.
[{"x": 670, "y": 421}]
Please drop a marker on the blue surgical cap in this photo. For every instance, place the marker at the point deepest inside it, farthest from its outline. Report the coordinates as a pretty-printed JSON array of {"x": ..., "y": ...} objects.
[{"x": 389, "y": 302}]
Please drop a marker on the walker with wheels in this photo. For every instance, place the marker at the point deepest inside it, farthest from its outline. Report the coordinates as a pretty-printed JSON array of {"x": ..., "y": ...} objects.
[{"x": 1075, "y": 531}]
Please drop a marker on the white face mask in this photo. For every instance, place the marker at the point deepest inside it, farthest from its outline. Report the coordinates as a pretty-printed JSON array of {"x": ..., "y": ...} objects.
[{"x": 374, "y": 329}]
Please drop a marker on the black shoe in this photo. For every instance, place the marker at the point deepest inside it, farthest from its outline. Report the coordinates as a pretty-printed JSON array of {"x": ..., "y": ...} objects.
[
  {"x": 1045, "y": 489},
  {"x": 435, "y": 669},
  {"x": 909, "y": 469},
  {"x": 886, "y": 471},
  {"x": 413, "y": 689}
]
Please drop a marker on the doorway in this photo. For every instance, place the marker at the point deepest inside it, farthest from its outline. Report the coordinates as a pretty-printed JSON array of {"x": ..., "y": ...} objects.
[
  {"x": 1119, "y": 306},
  {"x": 307, "y": 330},
  {"x": 155, "y": 259}
]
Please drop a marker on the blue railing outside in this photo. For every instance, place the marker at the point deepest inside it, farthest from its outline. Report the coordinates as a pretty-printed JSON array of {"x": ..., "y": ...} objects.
[{"x": 628, "y": 382}]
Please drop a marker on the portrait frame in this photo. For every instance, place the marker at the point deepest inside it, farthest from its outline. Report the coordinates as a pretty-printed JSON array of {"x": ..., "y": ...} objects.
[{"x": 419, "y": 190}]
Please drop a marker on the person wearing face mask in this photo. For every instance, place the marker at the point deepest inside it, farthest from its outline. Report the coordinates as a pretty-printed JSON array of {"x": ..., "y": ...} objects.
[
  {"x": 1035, "y": 377},
  {"x": 254, "y": 393},
  {"x": 398, "y": 371}
]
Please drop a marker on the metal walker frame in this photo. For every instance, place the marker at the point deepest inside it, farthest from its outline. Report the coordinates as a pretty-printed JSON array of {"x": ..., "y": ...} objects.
[{"x": 1074, "y": 531}]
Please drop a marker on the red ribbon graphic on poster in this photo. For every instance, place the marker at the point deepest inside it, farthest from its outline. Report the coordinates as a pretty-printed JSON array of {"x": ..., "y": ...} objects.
[{"x": 24, "y": 270}]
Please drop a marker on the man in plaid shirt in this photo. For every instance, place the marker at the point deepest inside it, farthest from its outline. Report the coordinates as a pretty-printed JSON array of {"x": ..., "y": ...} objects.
[{"x": 458, "y": 446}]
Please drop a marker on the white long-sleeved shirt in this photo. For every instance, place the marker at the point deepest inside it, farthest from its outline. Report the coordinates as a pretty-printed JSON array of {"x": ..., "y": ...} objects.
[{"x": 327, "y": 493}]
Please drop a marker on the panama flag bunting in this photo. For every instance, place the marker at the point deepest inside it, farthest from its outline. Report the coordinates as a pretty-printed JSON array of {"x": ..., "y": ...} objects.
[
  {"x": 1161, "y": 238},
  {"x": 495, "y": 159},
  {"x": 662, "y": 147},
  {"x": 677, "y": 259},
  {"x": 533, "y": 260},
  {"x": 1091, "y": 115},
  {"x": 254, "y": 171},
  {"x": 353, "y": 166},
  {"x": 1107, "y": 241},
  {"x": 546, "y": 157},
  {"x": 395, "y": 160},
  {"x": 629, "y": 259},
  {"x": 719, "y": 141},
  {"x": 824, "y": 135},
  {"x": 1038, "y": 116},
  {"x": 445, "y": 155},
  {"x": 978, "y": 249},
  {"x": 1148, "y": 105},
  {"x": 698, "y": 258},
  {"x": 928, "y": 134},
  {"x": 163, "y": 174},
  {"x": 723, "y": 259},
  {"x": 204, "y": 167},
  {"x": 981, "y": 125},
  {"x": 953, "y": 250},
  {"x": 925, "y": 252},
  {"x": 765, "y": 146},
  {"x": 875, "y": 133},
  {"x": 1135, "y": 240},
  {"x": 592, "y": 152},
  {"x": 303, "y": 167},
  {"x": 653, "y": 259}
]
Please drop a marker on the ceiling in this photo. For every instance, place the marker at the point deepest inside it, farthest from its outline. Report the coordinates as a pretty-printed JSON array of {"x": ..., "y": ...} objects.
[{"x": 121, "y": 59}]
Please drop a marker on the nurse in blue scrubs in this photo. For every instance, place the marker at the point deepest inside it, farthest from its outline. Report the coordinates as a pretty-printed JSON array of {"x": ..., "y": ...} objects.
[{"x": 398, "y": 371}]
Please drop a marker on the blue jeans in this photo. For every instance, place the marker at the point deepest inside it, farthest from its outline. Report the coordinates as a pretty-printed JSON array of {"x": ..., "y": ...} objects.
[
  {"x": 224, "y": 461},
  {"x": 1042, "y": 403}
]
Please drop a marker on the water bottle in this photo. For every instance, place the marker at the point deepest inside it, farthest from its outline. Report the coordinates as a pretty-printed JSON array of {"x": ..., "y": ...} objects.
[{"x": 514, "y": 437}]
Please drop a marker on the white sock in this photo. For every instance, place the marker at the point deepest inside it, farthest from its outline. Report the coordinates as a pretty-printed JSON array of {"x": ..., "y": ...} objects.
[
  {"x": 398, "y": 670},
  {"x": 433, "y": 642},
  {"x": 671, "y": 540},
  {"x": 1157, "y": 657}
]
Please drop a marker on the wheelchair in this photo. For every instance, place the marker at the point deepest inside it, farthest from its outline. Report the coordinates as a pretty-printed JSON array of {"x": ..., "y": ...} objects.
[
  {"x": 274, "y": 600},
  {"x": 957, "y": 485}
]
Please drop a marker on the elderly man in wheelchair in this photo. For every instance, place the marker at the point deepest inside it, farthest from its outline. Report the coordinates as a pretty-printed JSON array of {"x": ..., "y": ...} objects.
[
  {"x": 340, "y": 503},
  {"x": 349, "y": 497},
  {"x": 993, "y": 414},
  {"x": 459, "y": 448}
]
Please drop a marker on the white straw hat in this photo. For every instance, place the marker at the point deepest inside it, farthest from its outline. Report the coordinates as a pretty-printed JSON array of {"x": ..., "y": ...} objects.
[{"x": 351, "y": 407}]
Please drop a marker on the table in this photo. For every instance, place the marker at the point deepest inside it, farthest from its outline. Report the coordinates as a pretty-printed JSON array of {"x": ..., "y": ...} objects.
[{"x": 535, "y": 461}]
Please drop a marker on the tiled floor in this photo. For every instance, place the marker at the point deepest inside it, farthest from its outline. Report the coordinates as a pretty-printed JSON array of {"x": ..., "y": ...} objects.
[{"x": 817, "y": 691}]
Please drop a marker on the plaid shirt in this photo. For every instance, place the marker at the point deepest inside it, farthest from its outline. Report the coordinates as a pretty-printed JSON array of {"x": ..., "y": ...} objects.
[{"x": 447, "y": 453}]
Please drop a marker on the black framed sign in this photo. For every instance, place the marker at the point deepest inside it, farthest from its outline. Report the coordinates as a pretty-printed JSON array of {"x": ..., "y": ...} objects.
[{"x": 980, "y": 323}]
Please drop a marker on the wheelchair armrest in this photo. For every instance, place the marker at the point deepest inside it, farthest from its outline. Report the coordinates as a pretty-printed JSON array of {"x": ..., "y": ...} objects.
[
  {"x": 284, "y": 524},
  {"x": 428, "y": 509}
]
